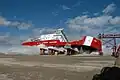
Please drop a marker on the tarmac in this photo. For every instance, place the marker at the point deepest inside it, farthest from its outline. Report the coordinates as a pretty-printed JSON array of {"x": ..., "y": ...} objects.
[{"x": 52, "y": 67}]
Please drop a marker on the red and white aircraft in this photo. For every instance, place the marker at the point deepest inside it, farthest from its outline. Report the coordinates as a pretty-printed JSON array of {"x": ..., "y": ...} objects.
[{"x": 58, "y": 39}]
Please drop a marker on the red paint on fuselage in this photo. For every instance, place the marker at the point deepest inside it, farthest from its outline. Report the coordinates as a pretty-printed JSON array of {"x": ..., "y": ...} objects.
[{"x": 46, "y": 42}]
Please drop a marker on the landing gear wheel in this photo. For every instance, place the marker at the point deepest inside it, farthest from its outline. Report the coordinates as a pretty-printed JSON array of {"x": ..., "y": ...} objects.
[{"x": 101, "y": 53}]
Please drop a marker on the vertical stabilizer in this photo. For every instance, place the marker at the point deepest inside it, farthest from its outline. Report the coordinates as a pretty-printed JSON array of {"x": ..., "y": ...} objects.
[{"x": 62, "y": 34}]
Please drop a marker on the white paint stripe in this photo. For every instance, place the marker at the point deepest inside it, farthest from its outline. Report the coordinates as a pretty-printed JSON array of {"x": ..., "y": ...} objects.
[{"x": 88, "y": 41}]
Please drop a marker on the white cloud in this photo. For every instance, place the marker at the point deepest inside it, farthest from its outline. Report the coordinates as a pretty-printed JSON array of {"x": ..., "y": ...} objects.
[
  {"x": 18, "y": 24},
  {"x": 3, "y": 21},
  {"x": 109, "y": 9},
  {"x": 64, "y": 7},
  {"x": 86, "y": 12},
  {"x": 2, "y": 37},
  {"x": 55, "y": 13},
  {"x": 93, "y": 25},
  {"x": 97, "y": 21},
  {"x": 115, "y": 20},
  {"x": 24, "y": 25},
  {"x": 7, "y": 40},
  {"x": 12, "y": 44},
  {"x": 96, "y": 14},
  {"x": 77, "y": 4},
  {"x": 96, "y": 24},
  {"x": 85, "y": 21},
  {"x": 45, "y": 30}
]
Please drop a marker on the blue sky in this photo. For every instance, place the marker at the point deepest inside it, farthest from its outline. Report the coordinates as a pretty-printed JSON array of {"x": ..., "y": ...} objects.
[{"x": 20, "y": 19}]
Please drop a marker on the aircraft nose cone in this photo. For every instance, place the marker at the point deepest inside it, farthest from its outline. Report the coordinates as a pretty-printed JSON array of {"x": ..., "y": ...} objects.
[{"x": 23, "y": 43}]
